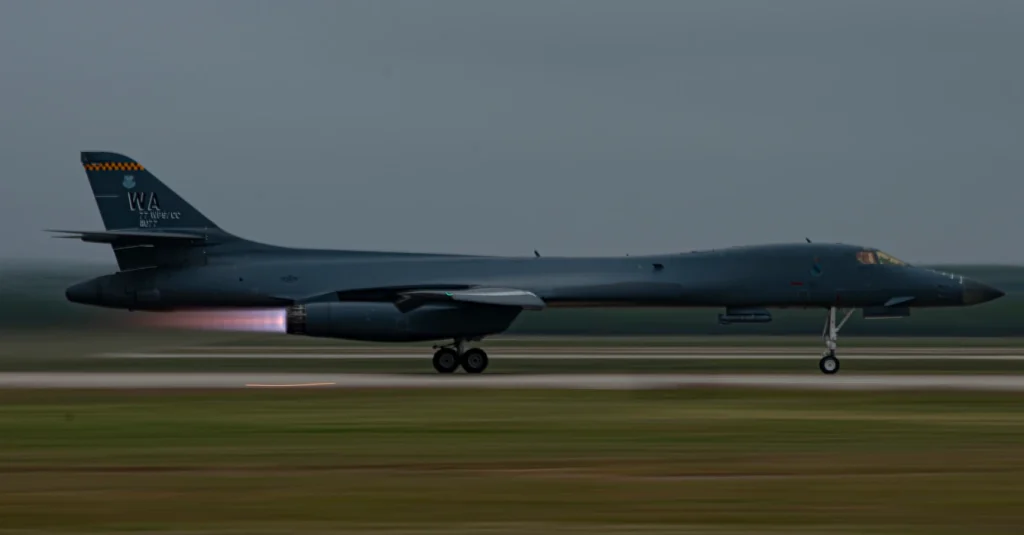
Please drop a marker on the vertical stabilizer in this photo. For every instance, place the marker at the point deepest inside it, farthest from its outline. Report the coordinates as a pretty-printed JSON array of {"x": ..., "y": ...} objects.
[{"x": 130, "y": 197}]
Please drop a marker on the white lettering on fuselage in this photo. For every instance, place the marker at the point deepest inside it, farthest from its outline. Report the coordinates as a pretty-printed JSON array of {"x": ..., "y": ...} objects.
[{"x": 958, "y": 278}]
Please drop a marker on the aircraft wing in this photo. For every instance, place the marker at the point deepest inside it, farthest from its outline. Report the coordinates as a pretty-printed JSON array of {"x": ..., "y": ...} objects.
[
  {"x": 508, "y": 297},
  {"x": 128, "y": 236}
]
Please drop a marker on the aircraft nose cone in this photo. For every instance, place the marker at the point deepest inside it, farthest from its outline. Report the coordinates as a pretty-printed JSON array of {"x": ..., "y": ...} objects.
[
  {"x": 83, "y": 292},
  {"x": 976, "y": 293}
]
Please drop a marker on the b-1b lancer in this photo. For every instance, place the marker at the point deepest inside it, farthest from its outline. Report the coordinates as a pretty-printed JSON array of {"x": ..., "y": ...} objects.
[{"x": 171, "y": 257}]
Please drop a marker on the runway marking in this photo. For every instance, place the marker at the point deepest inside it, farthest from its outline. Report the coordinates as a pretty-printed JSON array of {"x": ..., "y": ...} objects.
[{"x": 290, "y": 386}]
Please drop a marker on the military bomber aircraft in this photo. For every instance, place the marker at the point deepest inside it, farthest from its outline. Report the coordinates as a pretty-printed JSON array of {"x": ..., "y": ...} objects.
[{"x": 171, "y": 257}]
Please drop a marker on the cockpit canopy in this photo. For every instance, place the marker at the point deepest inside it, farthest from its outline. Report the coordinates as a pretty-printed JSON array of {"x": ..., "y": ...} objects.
[{"x": 878, "y": 257}]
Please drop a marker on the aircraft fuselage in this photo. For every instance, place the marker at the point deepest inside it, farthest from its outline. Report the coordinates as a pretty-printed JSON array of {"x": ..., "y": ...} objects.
[{"x": 770, "y": 276}]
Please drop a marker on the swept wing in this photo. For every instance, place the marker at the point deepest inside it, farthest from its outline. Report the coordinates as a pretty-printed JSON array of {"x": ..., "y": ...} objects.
[{"x": 509, "y": 297}]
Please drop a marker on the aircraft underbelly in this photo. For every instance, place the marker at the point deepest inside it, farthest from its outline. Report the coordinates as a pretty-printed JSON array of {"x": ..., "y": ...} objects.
[{"x": 859, "y": 297}]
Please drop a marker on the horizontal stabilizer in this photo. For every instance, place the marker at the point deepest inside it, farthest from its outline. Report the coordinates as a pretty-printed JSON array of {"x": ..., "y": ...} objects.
[
  {"x": 129, "y": 236},
  {"x": 409, "y": 300}
]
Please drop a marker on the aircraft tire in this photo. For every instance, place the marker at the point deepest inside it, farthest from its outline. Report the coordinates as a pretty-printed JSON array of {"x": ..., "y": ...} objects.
[
  {"x": 474, "y": 360},
  {"x": 446, "y": 360},
  {"x": 829, "y": 364}
]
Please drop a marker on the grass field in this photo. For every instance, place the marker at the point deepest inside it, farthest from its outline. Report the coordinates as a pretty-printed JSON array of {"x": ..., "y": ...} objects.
[{"x": 701, "y": 461}]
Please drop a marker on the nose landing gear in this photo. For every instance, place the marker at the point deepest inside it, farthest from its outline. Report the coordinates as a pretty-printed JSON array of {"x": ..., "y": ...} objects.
[{"x": 829, "y": 364}]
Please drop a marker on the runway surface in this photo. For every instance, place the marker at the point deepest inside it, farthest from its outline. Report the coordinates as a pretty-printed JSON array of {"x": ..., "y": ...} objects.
[
  {"x": 547, "y": 381},
  {"x": 809, "y": 380},
  {"x": 580, "y": 354}
]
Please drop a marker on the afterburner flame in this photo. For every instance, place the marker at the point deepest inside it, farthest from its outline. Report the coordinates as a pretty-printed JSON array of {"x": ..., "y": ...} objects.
[{"x": 244, "y": 320}]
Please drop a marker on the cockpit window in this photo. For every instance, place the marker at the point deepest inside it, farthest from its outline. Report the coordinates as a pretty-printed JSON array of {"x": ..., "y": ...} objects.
[
  {"x": 889, "y": 259},
  {"x": 878, "y": 257},
  {"x": 867, "y": 257}
]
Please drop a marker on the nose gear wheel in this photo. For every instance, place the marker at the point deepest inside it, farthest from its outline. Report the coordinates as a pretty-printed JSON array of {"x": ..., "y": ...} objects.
[{"x": 829, "y": 364}]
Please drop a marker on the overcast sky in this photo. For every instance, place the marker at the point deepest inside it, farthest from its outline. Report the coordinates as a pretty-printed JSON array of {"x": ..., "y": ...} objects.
[{"x": 497, "y": 127}]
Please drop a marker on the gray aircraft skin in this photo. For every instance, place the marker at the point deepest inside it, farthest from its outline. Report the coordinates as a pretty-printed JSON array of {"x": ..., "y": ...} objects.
[{"x": 171, "y": 257}]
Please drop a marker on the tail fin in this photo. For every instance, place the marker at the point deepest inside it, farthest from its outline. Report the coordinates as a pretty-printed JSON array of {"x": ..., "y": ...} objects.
[
  {"x": 130, "y": 197},
  {"x": 138, "y": 210}
]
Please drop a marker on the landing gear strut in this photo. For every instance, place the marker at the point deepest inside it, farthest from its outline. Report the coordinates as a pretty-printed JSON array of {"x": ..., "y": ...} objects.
[
  {"x": 829, "y": 364},
  {"x": 448, "y": 358}
]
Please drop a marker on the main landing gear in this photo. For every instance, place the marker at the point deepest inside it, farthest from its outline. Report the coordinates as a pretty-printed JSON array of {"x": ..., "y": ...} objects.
[
  {"x": 448, "y": 358},
  {"x": 829, "y": 364}
]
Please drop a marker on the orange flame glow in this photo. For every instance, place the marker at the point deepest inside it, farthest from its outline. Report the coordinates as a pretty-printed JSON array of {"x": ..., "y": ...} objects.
[{"x": 244, "y": 320}]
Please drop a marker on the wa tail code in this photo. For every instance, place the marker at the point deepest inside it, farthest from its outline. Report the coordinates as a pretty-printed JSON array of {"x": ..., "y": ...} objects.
[{"x": 139, "y": 201}]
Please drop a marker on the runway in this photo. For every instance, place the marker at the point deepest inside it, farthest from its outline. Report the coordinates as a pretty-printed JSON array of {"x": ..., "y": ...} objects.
[
  {"x": 605, "y": 379},
  {"x": 237, "y": 380},
  {"x": 587, "y": 354}
]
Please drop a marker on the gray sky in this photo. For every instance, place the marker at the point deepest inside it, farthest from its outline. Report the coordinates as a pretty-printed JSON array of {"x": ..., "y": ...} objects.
[{"x": 587, "y": 127}]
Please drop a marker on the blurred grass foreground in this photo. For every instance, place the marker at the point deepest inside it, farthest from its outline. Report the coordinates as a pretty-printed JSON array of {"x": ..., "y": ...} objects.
[{"x": 326, "y": 461}]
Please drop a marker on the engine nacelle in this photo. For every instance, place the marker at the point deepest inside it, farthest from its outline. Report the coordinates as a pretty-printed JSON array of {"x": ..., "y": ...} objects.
[
  {"x": 744, "y": 315},
  {"x": 383, "y": 322}
]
